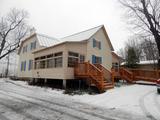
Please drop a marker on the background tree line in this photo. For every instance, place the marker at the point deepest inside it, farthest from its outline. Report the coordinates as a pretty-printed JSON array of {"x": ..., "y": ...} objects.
[{"x": 139, "y": 49}]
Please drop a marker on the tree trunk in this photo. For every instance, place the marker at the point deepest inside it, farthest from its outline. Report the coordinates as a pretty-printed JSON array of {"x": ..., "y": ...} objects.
[{"x": 157, "y": 39}]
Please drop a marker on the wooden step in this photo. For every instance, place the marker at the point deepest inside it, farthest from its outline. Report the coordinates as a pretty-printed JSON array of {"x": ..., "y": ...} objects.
[
  {"x": 108, "y": 87},
  {"x": 107, "y": 84}
]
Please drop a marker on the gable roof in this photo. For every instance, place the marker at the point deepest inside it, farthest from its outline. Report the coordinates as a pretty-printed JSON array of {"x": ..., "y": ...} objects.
[
  {"x": 45, "y": 40},
  {"x": 117, "y": 56},
  {"x": 84, "y": 35}
]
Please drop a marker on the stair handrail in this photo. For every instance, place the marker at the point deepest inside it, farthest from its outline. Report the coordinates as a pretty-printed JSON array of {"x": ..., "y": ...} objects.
[
  {"x": 105, "y": 70},
  {"x": 125, "y": 73}
]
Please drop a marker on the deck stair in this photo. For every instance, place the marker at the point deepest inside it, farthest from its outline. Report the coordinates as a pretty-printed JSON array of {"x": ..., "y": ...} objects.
[{"x": 96, "y": 73}]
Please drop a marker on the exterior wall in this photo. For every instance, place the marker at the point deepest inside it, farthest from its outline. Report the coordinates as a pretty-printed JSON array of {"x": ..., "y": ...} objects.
[
  {"x": 104, "y": 52},
  {"x": 115, "y": 59},
  {"x": 26, "y": 57},
  {"x": 80, "y": 48},
  {"x": 64, "y": 72}
]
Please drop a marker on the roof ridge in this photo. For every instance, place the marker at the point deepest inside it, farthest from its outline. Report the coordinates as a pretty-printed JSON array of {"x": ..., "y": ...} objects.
[
  {"x": 43, "y": 35},
  {"x": 82, "y": 31}
]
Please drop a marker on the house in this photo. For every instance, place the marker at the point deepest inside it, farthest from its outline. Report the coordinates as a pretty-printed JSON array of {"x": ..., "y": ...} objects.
[
  {"x": 116, "y": 60},
  {"x": 45, "y": 57}
]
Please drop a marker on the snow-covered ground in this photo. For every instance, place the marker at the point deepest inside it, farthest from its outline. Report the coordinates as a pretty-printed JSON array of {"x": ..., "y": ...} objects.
[{"x": 125, "y": 102}]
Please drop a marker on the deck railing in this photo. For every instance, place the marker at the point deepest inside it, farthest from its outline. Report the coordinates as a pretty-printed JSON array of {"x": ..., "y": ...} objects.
[
  {"x": 148, "y": 75},
  {"x": 126, "y": 74},
  {"x": 139, "y": 74},
  {"x": 81, "y": 69},
  {"x": 87, "y": 69},
  {"x": 97, "y": 73},
  {"x": 106, "y": 73}
]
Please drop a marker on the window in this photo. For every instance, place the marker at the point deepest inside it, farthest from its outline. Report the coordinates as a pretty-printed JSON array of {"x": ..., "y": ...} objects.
[
  {"x": 23, "y": 65},
  {"x": 115, "y": 66},
  {"x": 81, "y": 58},
  {"x": 25, "y": 48},
  {"x": 72, "y": 61},
  {"x": 49, "y": 61},
  {"x": 33, "y": 45},
  {"x": 96, "y": 44},
  {"x": 30, "y": 65},
  {"x": 58, "y": 54},
  {"x": 73, "y": 54},
  {"x": 37, "y": 65},
  {"x": 58, "y": 59},
  {"x": 72, "y": 58},
  {"x": 96, "y": 59},
  {"x": 42, "y": 64},
  {"x": 58, "y": 62}
]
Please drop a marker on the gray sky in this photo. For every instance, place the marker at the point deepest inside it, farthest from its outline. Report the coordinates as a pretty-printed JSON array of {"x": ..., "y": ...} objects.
[{"x": 59, "y": 18}]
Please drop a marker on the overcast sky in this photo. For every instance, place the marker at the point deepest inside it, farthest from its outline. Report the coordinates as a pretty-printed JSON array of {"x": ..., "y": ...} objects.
[{"x": 59, "y": 18}]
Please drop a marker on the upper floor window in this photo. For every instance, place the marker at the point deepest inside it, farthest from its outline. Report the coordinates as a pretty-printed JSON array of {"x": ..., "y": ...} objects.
[
  {"x": 96, "y": 44},
  {"x": 25, "y": 48},
  {"x": 33, "y": 45},
  {"x": 30, "y": 65},
  {"x": 23, "y": 66}
]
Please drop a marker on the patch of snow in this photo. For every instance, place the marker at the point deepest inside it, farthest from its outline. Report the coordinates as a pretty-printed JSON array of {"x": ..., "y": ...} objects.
[
  {"x": 135, "y": 99},
  {"x": 146, "y": 62}
]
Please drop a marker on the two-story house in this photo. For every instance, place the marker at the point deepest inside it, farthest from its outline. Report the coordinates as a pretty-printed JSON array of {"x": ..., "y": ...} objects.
[{"x": 45, "y": 57}]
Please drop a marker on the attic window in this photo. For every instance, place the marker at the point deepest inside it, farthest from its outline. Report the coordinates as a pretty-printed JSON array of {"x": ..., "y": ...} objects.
[
  {"x": 25, "y": 48},
  {"x": 33, "y": 45},
  {"x": 96, "y": 44}
]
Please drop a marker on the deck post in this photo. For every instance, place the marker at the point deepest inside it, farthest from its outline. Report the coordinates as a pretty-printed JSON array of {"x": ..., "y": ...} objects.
[
  {"x": 64, "y": 83},
  {"x": 45, "y": 81},
  {"x": 112, "y": 75}
]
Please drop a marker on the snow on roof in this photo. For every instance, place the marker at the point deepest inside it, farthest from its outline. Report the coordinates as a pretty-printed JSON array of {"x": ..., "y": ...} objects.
[
  {"x": 46, "y": 40},
  {"x": 84, "y": 35},
  {"x": 144, "y": 62},
  {"x": 77, "y": 37},
  {"x": 148, "y": 62}
]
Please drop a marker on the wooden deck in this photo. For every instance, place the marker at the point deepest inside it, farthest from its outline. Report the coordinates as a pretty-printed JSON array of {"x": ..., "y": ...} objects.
[
  {"x": 103, "y": 79},
  {"x": 132, "y": 75},
  {"x": 96, "y": 74}
]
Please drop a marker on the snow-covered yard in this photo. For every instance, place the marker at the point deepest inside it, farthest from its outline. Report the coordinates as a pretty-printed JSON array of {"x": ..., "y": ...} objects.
[{"x": 141, "y": 100}]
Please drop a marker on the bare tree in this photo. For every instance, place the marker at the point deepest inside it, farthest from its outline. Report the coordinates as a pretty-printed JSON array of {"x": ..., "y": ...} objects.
[
  {"x": 13, "y": 28},
  {"x": 145, "y": 16},
  {"x": 150, "y": 51}
]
